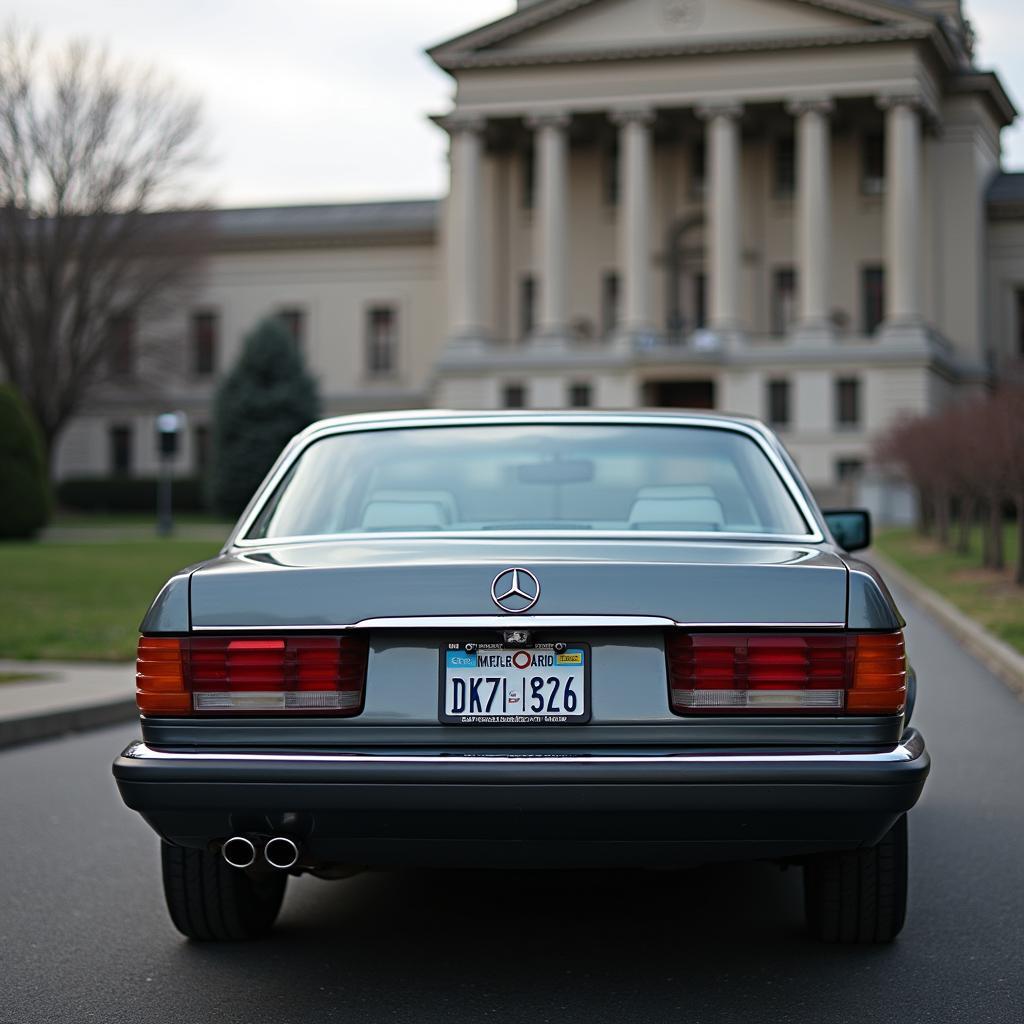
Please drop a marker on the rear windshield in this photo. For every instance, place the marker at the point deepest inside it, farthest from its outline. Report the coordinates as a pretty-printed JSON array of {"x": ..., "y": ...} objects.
[{"x": 516, "y": 477}]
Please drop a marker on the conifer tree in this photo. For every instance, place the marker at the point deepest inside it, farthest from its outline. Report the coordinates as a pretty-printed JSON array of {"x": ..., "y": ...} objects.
[{"x": 266, "y": 399}]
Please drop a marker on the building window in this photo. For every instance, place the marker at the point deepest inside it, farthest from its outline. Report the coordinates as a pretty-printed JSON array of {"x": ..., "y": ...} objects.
[
  {"x": 700, "y": 300},
  {"x": 527, "y": 305},
  {"x": 121, "y": 345},
  {"x": 580, "y": 395},
  {"x": 527, "y": 178},
  {"x": 872, "y": 164},
  {"x": 201, "y": 449},
  {"x": 610, "y": 172},
  {"x": 778, "y": 404},
  {"x": 294, "y": 319},
  {"x": 513, "y": 396},
  {"x": 1020, "y": 323},
  {"x": 698, "y": 173},
  {"x": 849, "y": 471},
  {"x": 784, "y": 165},
  {"x": 121, "y": 439},
  {"x": 381, "y": 341},
  {"x": 783, "y": 300},
  {"x": 872, "y": 288},
  {"x": 847, "y": 403},
  {"x": 204, "y": 343},
  {"x": 610, "y": 292}
]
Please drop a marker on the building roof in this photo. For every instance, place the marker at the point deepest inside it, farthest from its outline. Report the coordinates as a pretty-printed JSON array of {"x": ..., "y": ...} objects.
[
  {"x": 1005, "y": 196},
  {"x": 395, "y": 219},
  {"x": 1007, "y": 187}
]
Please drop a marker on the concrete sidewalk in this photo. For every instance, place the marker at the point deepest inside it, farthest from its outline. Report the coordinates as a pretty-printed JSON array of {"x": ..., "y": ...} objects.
[{"x": 60, "y": 697}]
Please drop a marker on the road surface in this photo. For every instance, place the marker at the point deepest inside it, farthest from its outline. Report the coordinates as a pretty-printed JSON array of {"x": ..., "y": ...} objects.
[{"x": 84, "y": 935}]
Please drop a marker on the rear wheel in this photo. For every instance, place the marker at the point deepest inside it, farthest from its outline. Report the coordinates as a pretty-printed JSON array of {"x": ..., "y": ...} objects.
[
  {"x": 212, "y": 902},
  {"x": 859, "y": 895}
]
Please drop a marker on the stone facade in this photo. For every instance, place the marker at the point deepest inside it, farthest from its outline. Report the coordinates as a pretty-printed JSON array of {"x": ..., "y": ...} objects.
[{"x": 791, "y": 209}]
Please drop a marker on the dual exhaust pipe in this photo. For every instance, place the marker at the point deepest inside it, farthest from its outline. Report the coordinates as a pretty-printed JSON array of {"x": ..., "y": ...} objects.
[{"x": 279, "y": 852}]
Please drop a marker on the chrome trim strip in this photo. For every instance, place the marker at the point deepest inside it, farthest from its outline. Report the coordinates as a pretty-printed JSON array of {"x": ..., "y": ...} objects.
[
  {"x": 237, "y": 538},
  {"x": 519, "y": 622},
  {"x": 909, "y": 750}
]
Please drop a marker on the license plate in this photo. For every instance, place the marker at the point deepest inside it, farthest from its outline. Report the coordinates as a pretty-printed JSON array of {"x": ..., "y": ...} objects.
[{"x": 490, "y": 684}]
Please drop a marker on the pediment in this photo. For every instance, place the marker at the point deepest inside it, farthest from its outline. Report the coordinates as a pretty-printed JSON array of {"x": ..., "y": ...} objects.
[{"x": 549, "y": 28}]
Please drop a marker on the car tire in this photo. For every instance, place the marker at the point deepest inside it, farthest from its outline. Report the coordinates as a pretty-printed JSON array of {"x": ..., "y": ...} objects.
[
  {"x": 210, "y": 901},
  {"x": 859, "y": 895}
]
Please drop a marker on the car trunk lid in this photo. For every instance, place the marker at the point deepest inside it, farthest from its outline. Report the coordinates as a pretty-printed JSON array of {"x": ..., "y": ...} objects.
[{"x": 346, "y": 582}]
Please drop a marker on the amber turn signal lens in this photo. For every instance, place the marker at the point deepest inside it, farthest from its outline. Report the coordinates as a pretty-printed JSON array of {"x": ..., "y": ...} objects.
[
  {"x": 879, "y": 674},
  {"x": 159, "y": 677}
]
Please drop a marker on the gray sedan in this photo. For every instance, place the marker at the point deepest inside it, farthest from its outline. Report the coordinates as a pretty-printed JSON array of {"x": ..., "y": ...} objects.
[{"x": 543, "y": 639}]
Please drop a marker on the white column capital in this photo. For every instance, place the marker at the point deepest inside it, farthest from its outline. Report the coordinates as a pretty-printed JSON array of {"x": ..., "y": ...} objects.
[
  {"x": 458, "y": 123},
  {"x": 631, "y": 115},
  {"x": 900, "y": 99},
  {"x": 730, "y": 109},
  {"x": 558, "y": 119},
  {"x": 822, "y": 105}
]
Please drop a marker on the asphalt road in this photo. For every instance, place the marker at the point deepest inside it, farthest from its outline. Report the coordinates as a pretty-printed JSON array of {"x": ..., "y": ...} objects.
[{"x": 84, "y": 935}]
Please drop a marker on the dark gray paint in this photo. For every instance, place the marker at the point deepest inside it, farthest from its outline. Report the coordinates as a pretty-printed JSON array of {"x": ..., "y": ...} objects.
[
  {"x": 343, "y": 582},
  {"x": 871, "y": 604},
  {"x": 169, "y": 612}
]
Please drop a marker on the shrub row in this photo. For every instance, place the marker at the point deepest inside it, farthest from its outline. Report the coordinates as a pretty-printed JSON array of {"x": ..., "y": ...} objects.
[{"x": 128, "y": 494}]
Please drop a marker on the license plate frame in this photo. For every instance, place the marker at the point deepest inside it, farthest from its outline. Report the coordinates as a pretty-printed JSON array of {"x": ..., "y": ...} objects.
[{"x": 548, "y": 720}]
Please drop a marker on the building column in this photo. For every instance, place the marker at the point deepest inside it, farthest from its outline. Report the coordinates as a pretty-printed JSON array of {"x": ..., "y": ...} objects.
[
  {"x": 903, "y": 248},
  {"x": 636, "y": 320},
  {"x": 466, "y": 224},
  {"x": 551, "y": 222},
  {"x": 813, "y": 219},
  {"x": 723, "y": 206}
]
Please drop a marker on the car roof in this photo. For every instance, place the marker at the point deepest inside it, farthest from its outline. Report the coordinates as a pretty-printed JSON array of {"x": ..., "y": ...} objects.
[{"x": 417, "y": 417}]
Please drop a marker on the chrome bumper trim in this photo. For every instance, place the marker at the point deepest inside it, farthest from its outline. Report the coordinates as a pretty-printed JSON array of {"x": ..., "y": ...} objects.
[
  {"x": 910, "y": 749},
  {"x": 464, "y": 622}
]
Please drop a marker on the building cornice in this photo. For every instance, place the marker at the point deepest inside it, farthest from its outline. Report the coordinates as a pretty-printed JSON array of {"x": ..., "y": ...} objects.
[
  {"x": 989, "y": 85},
  {"x": 468, "y": 60}
]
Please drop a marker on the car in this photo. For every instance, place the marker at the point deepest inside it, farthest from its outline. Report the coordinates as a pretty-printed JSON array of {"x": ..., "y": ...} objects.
[{"x": 547, "y": 639}]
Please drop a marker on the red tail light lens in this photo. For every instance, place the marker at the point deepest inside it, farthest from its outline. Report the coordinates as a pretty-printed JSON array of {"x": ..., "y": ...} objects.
[
  {"x": 307, "y": 675},
  {"x": 715, "y": 673}
]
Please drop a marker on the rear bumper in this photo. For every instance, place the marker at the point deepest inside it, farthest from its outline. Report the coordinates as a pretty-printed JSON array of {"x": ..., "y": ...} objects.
[{"x": 550, "y": 807}]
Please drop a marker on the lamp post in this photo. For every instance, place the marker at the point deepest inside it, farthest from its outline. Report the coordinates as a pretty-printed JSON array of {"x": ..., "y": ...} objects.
[{"x": 169, "y": 427}]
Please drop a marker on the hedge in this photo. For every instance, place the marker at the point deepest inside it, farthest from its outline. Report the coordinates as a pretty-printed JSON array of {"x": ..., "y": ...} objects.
[
  {"x": 128, "y": 494},
  {"x": 24, "y": 483}
]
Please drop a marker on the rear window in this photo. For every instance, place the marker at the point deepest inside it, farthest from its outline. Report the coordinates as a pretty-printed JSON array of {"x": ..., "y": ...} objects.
[{"x": 515, "y": 477}]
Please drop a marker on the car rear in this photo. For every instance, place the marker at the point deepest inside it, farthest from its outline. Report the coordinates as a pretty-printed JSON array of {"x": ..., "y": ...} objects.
[{"x": 666, "y": 691}]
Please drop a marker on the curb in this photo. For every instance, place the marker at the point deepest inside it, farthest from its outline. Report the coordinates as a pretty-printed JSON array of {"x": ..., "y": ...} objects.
[
  {"x": 30, "y": 728},
  {"x": 995, "y": 654}
]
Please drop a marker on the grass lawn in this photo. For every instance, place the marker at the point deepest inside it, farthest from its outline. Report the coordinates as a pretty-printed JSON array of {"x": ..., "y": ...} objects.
[
  {"x": 988, "y": 597},
  {"x": 84, "y": 601}
]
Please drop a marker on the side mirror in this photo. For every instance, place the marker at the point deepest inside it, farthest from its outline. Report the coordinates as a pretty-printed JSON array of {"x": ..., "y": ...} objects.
[{"x": 851, "y": 527}]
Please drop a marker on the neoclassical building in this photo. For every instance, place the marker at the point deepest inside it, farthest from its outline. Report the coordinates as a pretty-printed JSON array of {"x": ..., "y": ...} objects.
[{"x": 793, "y": 209}]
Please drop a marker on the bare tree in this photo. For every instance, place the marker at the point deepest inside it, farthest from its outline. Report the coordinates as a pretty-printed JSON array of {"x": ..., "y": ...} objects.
[{"x": 89, "y": 150}]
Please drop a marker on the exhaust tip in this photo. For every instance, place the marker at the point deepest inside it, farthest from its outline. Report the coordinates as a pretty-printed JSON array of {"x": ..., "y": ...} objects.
[
  {"x": 239, "y": 852},
  {"x": 281, "y": 853}
]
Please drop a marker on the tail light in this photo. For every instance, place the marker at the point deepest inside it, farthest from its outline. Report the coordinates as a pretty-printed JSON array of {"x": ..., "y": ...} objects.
[
  {"x": 856, "y": 673},
  {"x": 307, "y": 675}
]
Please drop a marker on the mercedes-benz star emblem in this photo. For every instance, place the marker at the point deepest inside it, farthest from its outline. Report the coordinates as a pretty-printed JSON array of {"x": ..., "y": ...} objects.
[{"x": 515, "y": 590}]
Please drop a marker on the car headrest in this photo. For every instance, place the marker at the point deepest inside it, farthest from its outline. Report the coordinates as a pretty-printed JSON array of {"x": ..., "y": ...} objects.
[
  {"x": 404, "y": 515},
  {"x": 676, "y": 513}
]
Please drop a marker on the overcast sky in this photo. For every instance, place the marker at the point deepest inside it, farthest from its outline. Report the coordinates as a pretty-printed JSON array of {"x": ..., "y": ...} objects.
[{"x": 326, "y": 100}]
